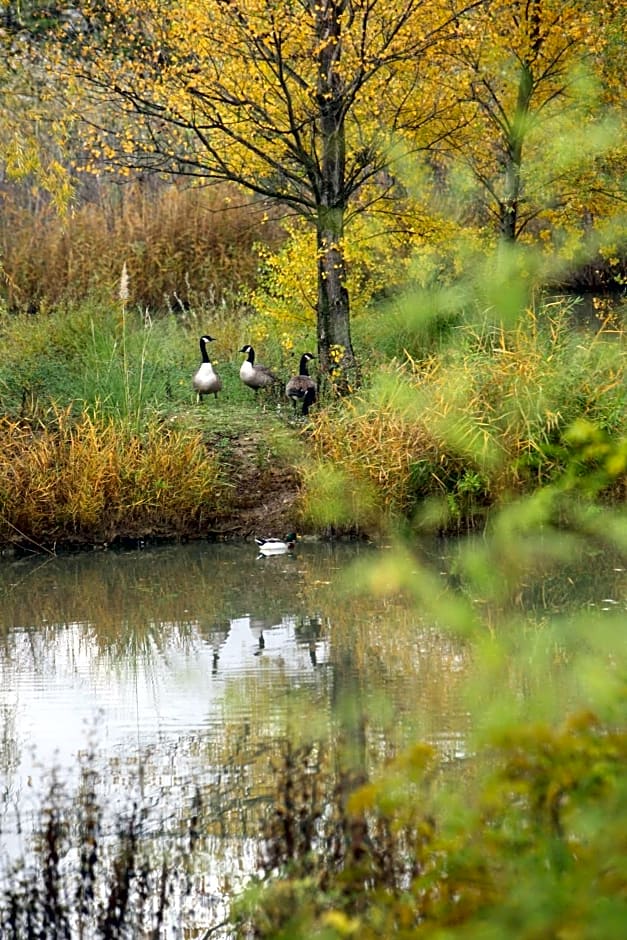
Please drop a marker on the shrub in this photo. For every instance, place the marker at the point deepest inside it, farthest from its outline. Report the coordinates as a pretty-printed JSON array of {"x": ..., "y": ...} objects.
[{"x": 536, "y": 849}]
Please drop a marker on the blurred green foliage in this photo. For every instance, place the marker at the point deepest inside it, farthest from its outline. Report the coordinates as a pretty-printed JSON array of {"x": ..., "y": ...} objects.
[{"x": 519, "y": 410}]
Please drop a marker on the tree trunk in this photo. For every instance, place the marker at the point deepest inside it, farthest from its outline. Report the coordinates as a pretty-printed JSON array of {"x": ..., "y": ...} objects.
[
  {"x": 508, "y": 209},
  {"x": 335, "y": 350}
]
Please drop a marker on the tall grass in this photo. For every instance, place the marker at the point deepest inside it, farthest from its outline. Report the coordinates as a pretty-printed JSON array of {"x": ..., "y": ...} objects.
[
  {"x": 117, "y": 359},
  {"x": 482, "y": 421},
  {"x": 90, "y": 480},
  {"x": 92, "y": 355},
  {"x": 184, "y": 248}
]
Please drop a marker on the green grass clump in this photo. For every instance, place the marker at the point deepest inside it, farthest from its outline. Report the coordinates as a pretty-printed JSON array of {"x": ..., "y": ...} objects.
[
  {"x": 93, "y": 356},
  {"x": 104, "y": 358}
]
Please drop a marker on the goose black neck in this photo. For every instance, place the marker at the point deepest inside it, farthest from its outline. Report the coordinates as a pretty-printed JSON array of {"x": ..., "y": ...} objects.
[
  {"x": 203, "y": 349},
  {"x": 251, "y": 355},
  {"x": 303, "y": 365}
]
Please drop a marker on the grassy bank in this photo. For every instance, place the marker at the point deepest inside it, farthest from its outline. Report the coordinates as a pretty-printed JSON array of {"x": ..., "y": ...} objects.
[
  {"x": 486, "y": 418},
  {"x": 80, "y": 481},
  {"x": 104, "y": 439}
]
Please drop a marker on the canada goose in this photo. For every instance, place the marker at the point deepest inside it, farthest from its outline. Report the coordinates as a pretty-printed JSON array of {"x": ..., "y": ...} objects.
[
  {"x": 302, "y": 387},
  {"x": 274, "y": 546},
  {"x": 206, "y": 380},
  {"x": 255, "y": 376}
]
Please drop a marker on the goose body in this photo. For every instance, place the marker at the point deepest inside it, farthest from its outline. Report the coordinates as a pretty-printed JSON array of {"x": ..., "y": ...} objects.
[
  {"x": 254, "y": 374},
  {"x": 274, "y": 546},
  {"x": 206, "y": 381},
  {"x": 301, "y": 387}
]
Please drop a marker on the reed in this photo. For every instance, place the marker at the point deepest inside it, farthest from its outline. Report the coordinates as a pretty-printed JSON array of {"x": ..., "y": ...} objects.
[
  {"x": 185, "y": 248},
  {"x": 91, "y": 876},
  {"x": 481, "y": 422},
  {"x": 92, "y": 480}
]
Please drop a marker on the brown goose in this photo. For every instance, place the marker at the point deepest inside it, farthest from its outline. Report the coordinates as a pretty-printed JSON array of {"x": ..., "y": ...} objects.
[
  {"x": 302, "y": 387},
  {"x": 254, "y": 375}
]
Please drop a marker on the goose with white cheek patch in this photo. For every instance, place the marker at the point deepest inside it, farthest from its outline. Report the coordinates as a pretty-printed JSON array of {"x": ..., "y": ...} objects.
[
  {"x": 253, "y": 374},
  {"x": 206, "y": 381},
  {"x": 301, "y": 387}
]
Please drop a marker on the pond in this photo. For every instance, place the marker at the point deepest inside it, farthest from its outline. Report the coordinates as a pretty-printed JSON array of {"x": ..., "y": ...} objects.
[{"x": 180, "y": 667}]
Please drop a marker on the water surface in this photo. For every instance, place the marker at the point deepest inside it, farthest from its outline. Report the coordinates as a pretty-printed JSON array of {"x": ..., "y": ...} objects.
[{"x": 190, "y": 662}]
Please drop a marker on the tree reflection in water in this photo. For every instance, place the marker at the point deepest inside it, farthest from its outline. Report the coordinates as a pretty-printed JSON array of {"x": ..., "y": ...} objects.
[{"x": 184, "y": 670}]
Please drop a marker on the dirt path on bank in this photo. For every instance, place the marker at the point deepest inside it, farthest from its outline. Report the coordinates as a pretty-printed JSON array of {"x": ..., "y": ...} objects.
[{"x": 265, "y": 486}]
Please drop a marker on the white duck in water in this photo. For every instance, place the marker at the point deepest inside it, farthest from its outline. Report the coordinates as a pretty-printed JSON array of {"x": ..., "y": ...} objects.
[
  {"x": 206, "y": 381},
  {"x": 274, "y": 546}
]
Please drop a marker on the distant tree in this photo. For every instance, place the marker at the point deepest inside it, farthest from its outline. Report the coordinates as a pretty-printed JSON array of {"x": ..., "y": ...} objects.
[
  {"x": 535, "y": 84},
  {"x": 32, "y": 129}
]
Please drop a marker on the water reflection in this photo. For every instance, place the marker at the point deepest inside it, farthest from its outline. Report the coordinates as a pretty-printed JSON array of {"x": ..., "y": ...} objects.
[
  {"x": 136, "y": 651},
  {"x": 192, "y": 662}
]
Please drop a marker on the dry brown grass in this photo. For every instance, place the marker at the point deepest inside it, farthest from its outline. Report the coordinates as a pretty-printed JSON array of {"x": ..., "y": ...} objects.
[
  {"x": 183, "y": 247},
  {"x": 90, "y": 481}
]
